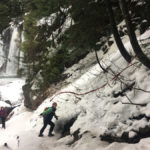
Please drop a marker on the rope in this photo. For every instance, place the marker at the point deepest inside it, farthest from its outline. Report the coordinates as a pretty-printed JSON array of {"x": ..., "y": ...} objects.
[{"x": 70, "y": 92}]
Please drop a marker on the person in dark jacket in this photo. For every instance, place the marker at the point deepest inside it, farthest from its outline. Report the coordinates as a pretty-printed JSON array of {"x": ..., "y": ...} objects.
[
  {"x": 3, "y": 114},
  {"x": 47, "y": 117}
]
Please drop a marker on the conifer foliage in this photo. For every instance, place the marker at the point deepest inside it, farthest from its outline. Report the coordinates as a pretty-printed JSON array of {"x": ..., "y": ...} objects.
[
  {"x": 51, "y": 47},
  {"x": 58, "y": 33},
  {"x": 9, "y": 9}
]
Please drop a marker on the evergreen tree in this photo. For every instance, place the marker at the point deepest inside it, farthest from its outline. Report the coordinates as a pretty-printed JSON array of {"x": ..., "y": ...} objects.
[
  {"x": 119, "y": 43},
  {"x": 40, "y": 40},
  {"x": 9, "y": 11},
  {"x": 4, "y": 15},
  {"x": 137, "y": 49},
  {"x": 90, "y": 23}
]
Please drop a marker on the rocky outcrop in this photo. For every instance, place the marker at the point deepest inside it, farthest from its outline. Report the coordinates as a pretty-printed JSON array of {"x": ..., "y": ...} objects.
[
  {"x": 142, "y": 133},
  {"x": 34, "y": 97},
  {"x": 27, "y": 95},
  {"x": 139, "y": 134}
]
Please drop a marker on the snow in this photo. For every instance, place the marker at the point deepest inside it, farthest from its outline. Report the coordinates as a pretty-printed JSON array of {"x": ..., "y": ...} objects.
[
  {"x": 11, "y": 89},
  {"x": 97, "y": 111},
  {"x": 3, "y": 104}
]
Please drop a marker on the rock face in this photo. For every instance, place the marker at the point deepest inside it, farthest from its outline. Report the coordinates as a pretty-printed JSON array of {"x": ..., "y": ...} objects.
[
  {"x": 142, "y": 133},
  {"x": 27, "y": 95},
  {"x": 138, "y": 10},
  {"x": 33, "y": 98},
  {"x": 139, "y": 134}
]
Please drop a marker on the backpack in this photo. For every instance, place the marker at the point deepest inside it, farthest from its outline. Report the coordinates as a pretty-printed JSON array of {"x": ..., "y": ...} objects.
[
  {"x": 45, "y": 109},
  {"x": 3, "y": 113}
]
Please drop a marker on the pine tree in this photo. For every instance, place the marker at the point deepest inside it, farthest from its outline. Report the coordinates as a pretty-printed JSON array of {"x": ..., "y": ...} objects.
[
  {"x": 136, "y": 47},
  {"x": 8, "y": 11},
  {"x": 119, "y": 43}
]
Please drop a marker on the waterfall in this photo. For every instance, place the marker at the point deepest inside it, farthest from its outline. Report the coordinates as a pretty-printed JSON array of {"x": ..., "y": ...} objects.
[
  {"x": 13, "y": 63},
  {"x": 4, "y": 49},
  {"x": 10, "y": 83},
  {"x": 1, "y": 54},
  {"x": 9, "y": 52}
]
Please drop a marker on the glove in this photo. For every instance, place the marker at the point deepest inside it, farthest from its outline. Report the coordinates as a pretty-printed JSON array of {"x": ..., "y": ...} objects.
[{"x": 56, "y": 117}]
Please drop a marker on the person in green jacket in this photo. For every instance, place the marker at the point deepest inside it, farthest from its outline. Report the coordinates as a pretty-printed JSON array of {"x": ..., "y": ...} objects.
[{"x": 47, "y": 119}]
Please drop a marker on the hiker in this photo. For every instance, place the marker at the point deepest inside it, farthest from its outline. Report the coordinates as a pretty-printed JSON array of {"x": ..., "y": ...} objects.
[
  {"x": 3, "y": 115},
  {"x": 47, "y": 117}
]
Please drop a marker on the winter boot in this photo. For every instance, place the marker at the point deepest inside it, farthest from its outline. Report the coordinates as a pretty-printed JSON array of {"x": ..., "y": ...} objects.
[
  {"x": 50, "y": 134},
  {"x": 40, "y": 135}
]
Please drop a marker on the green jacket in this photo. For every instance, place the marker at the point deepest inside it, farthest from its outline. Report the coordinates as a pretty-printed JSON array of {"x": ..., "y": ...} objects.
[{"x": 48, "y": 111}]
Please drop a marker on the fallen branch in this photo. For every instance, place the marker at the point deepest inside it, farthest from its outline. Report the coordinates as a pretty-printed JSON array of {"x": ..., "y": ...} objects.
[
  {"x": 141, "y": 90},
  {"x": 131, "y": 103},
  {"x": 121, "y": 93}
]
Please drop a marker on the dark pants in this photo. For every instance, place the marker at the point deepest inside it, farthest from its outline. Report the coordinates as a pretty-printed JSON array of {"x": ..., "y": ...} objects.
[
  {"x": 47, "y": 122},
  {"x": 3, "y": 122}
]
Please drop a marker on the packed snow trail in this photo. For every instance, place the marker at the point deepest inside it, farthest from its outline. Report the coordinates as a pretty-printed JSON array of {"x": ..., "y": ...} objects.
[{"x": 18, "y": 136}]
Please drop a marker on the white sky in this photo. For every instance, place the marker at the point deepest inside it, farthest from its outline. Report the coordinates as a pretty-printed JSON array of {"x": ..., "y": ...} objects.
[{"x": 98, "y": 112}]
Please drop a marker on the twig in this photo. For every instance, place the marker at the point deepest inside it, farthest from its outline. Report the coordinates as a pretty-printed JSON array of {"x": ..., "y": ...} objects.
[
  {"x": 135, "y": 104},
  {"x": 142, "y": 90},
  {"x": 128, "y": 99},
  {"x": 131, "y": 103}
]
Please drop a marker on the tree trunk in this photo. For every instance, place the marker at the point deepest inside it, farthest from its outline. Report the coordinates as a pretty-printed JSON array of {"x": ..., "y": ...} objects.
[
  {"x": 133, "y": 40},
  {"x": 119, "y": 43}
]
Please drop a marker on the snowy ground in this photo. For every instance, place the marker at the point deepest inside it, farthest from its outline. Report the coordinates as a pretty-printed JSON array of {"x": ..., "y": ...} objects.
[
  {"x": 19, "y": 137},
  {"x": 97, "y": 112},
  {"x": 11, "y": 89}
]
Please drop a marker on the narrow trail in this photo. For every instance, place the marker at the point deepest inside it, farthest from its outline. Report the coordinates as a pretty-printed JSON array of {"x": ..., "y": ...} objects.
[{"x": 18, "y": 136}]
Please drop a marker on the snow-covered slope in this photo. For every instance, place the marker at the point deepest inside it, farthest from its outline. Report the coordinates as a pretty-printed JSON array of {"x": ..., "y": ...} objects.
[{"x": 95, "y": 110}]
